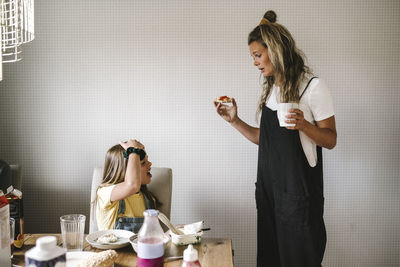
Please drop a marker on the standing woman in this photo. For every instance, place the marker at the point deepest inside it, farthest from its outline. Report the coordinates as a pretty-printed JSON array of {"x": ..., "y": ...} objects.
[{"x": 289, "y": 187}]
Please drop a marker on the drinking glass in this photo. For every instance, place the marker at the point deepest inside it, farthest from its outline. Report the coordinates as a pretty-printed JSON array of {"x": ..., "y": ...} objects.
[
  {"x": 72, "y": 231},
  {"x": 12, "y": 231}
]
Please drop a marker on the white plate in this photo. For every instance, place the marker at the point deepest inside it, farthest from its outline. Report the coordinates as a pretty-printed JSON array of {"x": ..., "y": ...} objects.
[
  {"x": 123, "y": 239},
  {"x": 76, "y": 257}
]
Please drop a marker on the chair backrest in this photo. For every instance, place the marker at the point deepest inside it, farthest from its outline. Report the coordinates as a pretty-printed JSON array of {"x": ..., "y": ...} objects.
[{"x": 160, "y": 186}]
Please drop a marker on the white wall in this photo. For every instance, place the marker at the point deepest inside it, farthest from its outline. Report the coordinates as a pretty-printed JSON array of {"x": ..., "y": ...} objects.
[{"x": 103, "y": 71}]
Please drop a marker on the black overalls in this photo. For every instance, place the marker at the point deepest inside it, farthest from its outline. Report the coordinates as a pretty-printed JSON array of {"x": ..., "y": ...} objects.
[{"x": 289, "y": 199}]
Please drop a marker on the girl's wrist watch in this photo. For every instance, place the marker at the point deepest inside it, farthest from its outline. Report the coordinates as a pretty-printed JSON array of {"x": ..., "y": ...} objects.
[{"x": 138, "y": 151}]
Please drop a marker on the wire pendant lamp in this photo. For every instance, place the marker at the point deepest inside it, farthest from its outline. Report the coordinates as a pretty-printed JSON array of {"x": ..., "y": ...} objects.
[{"x": 16, "y": 28}]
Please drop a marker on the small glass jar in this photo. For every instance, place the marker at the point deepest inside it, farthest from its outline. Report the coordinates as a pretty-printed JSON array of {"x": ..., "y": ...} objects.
[{"x": 46, "y": 253}]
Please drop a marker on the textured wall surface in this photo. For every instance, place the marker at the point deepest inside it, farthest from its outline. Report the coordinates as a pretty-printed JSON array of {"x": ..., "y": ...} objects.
[{"x": 103, "y": 71}]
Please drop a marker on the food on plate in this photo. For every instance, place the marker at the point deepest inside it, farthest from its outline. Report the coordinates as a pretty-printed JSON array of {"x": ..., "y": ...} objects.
[
  {"x": 223, "y": 99},
  {"x": 102, "y": 259},
  {"x": 107, "y": 238}
]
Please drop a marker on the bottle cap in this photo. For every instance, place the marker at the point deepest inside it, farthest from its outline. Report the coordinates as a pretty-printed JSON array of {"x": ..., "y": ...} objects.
[
  {"x": 46, "y": 242},
  {"x": 151, "y": 212},
  {"x": 190, "y": 254}
]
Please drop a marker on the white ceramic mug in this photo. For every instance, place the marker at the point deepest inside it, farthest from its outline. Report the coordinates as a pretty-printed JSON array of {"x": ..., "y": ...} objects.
[{"x": 283, "y": 110}]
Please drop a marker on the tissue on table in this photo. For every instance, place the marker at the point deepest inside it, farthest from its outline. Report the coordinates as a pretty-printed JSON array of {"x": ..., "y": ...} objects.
[{"x": 192, "y": 228}]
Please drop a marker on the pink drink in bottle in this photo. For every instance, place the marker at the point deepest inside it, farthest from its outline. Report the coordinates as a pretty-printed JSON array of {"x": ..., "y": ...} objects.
[{"x": 150, "y": 241}]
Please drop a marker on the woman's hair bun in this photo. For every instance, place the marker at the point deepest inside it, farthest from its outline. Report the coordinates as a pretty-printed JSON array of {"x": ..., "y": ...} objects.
[{"x": 270, "y": 15}]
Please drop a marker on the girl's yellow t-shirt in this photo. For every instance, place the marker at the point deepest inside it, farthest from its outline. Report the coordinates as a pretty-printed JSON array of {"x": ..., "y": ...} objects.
[{"x": 107, "y": 211}]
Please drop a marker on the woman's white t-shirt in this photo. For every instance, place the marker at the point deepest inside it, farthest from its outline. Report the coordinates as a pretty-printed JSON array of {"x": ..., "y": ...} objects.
[{"x": 316, "y": 104}]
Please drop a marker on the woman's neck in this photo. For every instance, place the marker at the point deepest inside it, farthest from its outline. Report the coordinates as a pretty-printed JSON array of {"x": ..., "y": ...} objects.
[{"x": 277, "y": 80}]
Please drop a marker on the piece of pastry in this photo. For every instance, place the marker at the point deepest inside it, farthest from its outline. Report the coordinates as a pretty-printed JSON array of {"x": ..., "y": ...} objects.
[
  {"x": 107, "y": 238},
  {"x": 102, "y": 259},
  {"x": 223, "y": 99}
]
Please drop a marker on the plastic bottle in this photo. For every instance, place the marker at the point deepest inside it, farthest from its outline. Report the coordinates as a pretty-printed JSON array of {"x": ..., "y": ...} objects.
[
  {"x": 150, "y": 241},
  {"x": 190, "y": 257},
  {"x": 46, "y": 253},
  {"x": 5, "y": 254}
]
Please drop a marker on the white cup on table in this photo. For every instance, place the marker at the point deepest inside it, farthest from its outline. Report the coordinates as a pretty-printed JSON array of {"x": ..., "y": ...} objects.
[
  {"x": 283, "y": 111},
  {"x": 72, "y": 231}
]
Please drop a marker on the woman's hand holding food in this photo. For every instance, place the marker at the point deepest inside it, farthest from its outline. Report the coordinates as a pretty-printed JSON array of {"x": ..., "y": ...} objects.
[{"x": 228, "y": 113}]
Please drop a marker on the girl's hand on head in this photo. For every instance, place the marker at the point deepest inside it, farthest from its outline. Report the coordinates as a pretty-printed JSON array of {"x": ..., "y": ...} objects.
[
  {"x": 131, "y": 143},
  {"x": 228, "y": 113},
  {"x": 297, "y": 118}
]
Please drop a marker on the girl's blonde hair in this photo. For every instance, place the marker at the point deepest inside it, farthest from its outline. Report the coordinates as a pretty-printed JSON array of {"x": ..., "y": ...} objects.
[
  {"x": 286, "y": 59},
  {"x": 114, "y": 166}
]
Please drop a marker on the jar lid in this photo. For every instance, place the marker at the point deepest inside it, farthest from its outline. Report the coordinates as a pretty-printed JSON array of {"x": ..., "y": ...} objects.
[
  {"x": 46, "y": 242},
  {"x": 151, "y": 212}
]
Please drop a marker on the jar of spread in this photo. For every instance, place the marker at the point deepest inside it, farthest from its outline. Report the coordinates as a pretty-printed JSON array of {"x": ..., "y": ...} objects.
[{"x": 46, "y": 253}]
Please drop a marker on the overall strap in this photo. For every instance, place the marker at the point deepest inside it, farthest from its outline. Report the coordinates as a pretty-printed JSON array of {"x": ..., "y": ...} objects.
[
  {"x": 121, "y": 206},
  {"x": 148, "y": 198},
  {"x": 150, "y": 203},
  {"x": 306, "y": 87}
]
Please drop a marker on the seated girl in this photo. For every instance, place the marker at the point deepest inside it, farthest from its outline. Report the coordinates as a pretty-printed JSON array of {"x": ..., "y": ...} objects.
[{"x": 123, "y": 196}]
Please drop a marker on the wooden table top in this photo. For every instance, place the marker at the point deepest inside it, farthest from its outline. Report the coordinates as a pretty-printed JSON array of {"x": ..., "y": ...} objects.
[{"x": 213, "y": 252}]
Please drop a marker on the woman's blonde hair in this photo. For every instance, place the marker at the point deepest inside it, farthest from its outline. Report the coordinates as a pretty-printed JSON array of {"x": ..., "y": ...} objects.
[
  {"x": 114, "y": 166},
  {"x": 286, "y": 59}
]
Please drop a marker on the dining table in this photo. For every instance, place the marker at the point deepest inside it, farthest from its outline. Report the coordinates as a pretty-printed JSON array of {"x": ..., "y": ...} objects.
[{"x": 213, "y": 252}]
